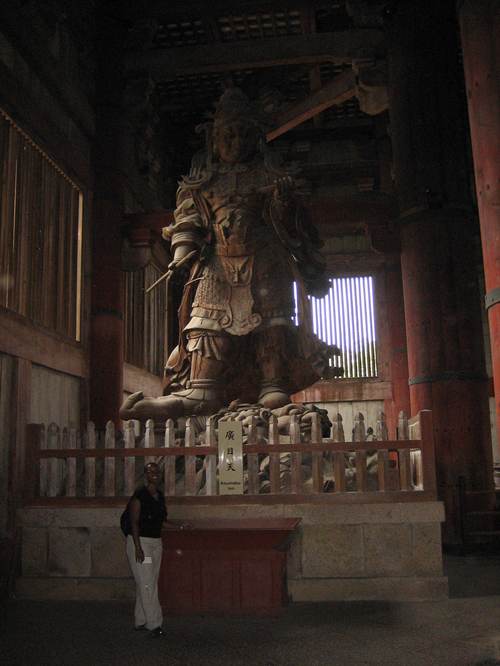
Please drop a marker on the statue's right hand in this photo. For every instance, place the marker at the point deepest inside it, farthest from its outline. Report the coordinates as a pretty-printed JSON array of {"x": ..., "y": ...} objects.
[
  {"x": 172, "y": 265},
  {"x": 182, "y": 255}
]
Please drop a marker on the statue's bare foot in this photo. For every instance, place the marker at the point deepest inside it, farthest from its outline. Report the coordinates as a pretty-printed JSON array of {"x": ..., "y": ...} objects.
[
  {"x": 274, "y": 399},
  {"x": 129, "y": 404},
  {"x": 189, "y": 402},
  {"x": 136, "y": 406}
]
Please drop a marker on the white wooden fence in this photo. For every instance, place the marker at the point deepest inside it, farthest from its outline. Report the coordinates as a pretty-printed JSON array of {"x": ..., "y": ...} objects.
[{"x": 64, "y": 465}]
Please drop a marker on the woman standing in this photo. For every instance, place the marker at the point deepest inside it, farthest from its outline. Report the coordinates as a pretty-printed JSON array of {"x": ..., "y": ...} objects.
[{"x": 147, "y": 513}]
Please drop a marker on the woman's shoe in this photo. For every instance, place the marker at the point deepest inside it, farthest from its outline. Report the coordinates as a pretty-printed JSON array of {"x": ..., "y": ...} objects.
[{"x": 157, "y": 633}]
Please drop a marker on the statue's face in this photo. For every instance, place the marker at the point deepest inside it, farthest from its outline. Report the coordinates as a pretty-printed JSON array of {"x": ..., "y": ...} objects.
[{"x": 236, "y": 141}]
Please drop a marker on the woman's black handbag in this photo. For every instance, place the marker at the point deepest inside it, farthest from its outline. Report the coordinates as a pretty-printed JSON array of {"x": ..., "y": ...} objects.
[{"x": 125, "y": 524}]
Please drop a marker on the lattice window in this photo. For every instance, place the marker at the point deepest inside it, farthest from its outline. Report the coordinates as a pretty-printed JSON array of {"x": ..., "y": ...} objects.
[
  {"x": 40, "y": 235},
  {"x": 346, "y": 317},
  {"x": 347, "y": 110},
  {"x": 180, "y": 33},
  {"x": 259, "y": 25},
  {"x": 146, "y": 320}
]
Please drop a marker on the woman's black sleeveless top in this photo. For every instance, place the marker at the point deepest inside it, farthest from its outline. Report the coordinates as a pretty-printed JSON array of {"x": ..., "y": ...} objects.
[{"x": 153, "y": 513}]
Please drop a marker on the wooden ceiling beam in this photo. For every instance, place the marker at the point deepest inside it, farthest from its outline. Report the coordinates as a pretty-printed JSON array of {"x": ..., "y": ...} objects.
[
  {"x": 200, "y": 8},
  {"x": 338, "y": 47},
  {"x": 340, "y": 89}
]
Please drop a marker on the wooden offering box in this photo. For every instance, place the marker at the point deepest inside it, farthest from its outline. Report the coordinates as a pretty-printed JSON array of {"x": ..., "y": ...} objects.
[{"x": 225, "y": 565}]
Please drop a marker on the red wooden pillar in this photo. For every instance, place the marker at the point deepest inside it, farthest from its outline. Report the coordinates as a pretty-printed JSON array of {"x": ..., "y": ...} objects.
[
  {"x": 480, "y": 33},
  {"x": 107, "y": 306},
  {"x": 441, "y": 299},
  {"x": 397, "y": 345},
  {"x": 106, "y": 330}
]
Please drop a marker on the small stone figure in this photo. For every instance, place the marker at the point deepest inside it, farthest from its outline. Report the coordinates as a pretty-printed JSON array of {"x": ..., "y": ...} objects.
[{"x": 239, "y": 223}]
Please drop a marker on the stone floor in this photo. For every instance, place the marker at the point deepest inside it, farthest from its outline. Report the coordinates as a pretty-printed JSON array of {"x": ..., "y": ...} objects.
[{"x": 462, "y": 630}]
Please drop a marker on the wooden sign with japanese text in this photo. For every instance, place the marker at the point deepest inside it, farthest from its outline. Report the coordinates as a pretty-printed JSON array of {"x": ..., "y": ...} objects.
[{"x": 230, "y": 458}]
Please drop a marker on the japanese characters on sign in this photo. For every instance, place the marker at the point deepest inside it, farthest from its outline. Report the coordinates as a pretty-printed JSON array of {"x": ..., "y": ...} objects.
[{"x": 230, "y": 458}]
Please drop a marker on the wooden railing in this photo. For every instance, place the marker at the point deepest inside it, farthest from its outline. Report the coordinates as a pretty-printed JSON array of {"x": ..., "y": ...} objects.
[{"x": 67, "y": 467}]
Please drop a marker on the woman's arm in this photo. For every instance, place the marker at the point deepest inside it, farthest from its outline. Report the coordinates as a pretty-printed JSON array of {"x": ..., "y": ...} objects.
[{"x": 135, "y": 514}]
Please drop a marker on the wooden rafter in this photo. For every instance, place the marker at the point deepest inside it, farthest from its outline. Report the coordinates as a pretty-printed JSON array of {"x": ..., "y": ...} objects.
[
  {"x": 340, "y": 89},
  {"x": 339, "y": 47},
  {"x": 201, "y": 9}
]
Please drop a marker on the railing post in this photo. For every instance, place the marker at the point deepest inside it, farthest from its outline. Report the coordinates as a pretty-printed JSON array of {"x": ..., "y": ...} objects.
[
  {"x": 359, "y": 428},
  {"x": 404, "y": 455},
  {"x": 403, "y": 426},
  {"x": 428, "y": 451},
  {"x": 129, "y": 461},
  {"x": 381, "y": 432},
  {"x": 169, "y": 465},
  {"x": 149, "y": 439},
  {"x": 361, "y": 471},
  {"x": 295, "y": 458},
  {"x": 54, "y": 476},
  {"x": 71, "y": 464},
  {"x": 382, "y": 469},
  {"x": 43, "y": 466},
  {"x": 190, "y": 460},
  {"x": 90, "y": 462},
  {"x": 338, "y": 429},
  {"x": 210, "y": 461},
  {"x": 109, "y": 463},
  {"x": 317, "y": 456},
  {"x": 339, "y": 471},
  {"x": 35, "y": 433},
  {"x": 252, "y": 459},
  {"x": 274, "y": 458}
]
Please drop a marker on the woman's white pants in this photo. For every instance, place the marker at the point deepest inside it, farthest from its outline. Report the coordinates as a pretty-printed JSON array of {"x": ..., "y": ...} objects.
[{"x": 147, "y": 606}]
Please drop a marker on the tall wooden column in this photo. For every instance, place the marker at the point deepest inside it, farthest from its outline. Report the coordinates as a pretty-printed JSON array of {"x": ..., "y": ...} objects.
[
  {"x": 480, "y": 34},
  {"x": 397, "y": 345},
  {"x": 106, "y": 331},
  {"x": 441, "y": 300}
]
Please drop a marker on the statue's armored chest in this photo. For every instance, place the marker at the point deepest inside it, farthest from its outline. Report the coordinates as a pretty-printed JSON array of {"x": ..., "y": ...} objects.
[
  {"x": 240, "y": 182},
  {"x": 236, "y": 197}
]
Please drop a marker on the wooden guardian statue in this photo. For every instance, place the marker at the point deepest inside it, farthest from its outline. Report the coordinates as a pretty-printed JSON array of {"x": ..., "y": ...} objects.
[{"x": 239, "y": 222}]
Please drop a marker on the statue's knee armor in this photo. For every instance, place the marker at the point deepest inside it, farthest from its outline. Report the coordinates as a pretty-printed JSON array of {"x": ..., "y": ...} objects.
[
  {"x": 270, "y": 352},
  {"x": 209, "y": 354}
]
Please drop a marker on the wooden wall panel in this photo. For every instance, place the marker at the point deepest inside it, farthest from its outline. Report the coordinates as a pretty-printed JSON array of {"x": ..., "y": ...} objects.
[
  {"x": 146, "y": 320},
  {"x": 23, "y": 339},
  {"x": 348, "y": 410},
  {"x": 6, "y": 430},
  {"x": 39, "y": 225},
  {"x": 55, "y": 397},
  {"x": 137, "y": 379}
]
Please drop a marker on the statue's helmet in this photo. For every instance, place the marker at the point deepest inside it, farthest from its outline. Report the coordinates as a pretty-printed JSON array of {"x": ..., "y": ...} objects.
[{"x": 234, "y": 105}]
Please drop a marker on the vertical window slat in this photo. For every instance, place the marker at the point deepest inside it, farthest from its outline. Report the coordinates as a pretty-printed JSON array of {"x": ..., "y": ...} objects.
[{"x": 345, "y": 317}]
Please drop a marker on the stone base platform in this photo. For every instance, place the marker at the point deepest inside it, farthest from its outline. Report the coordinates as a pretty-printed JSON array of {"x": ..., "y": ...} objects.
[
  {"x": 76, "y": 589},
  {"x": 340, "y": 552},
  {"x": 369, "y": 589}
]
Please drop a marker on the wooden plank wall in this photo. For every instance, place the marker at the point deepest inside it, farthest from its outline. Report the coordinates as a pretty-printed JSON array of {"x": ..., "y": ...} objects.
[
  {"x": 55, "y": 398},
  {"x": 146, "y": 320},
  {"x": 6, "y": 430},
  {"x": 39, "y": 235},
  {"x": 350, "y": 409}
]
